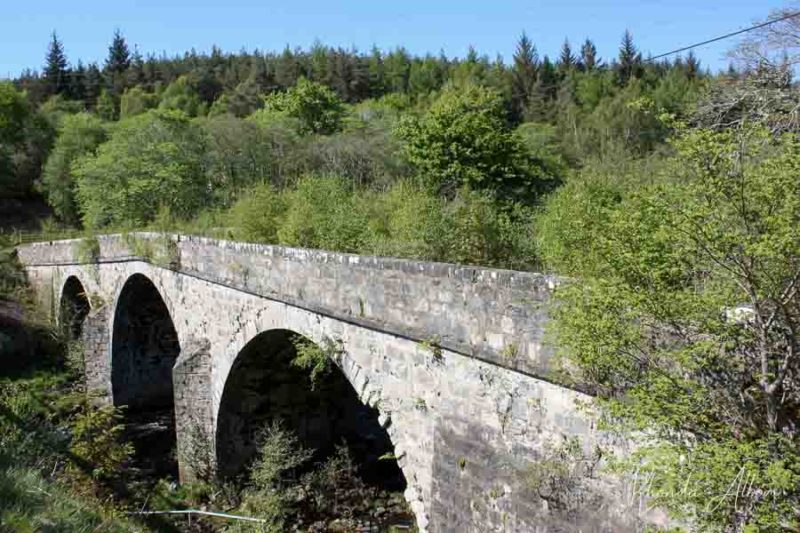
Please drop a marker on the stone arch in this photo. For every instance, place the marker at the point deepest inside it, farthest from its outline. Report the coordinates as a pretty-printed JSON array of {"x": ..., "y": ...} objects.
[
  {"x": 263, "y": 386},
  {"x": 144, "y": 346},
  {"x": 144, "y": 349},
  {"x": 74, "y": 307}
]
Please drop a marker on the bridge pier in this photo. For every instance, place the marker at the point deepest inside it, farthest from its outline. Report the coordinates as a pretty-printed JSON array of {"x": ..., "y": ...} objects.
[
  {"x": 194, "y": 425},
  {"x": 96, "y": 356}
]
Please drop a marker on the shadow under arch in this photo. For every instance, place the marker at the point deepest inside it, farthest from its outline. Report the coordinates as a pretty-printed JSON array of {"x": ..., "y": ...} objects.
[
  {"x": 144, "y": 348},
  {"x": 74, "y": 307},
  {"x": 264, "y": 386}
]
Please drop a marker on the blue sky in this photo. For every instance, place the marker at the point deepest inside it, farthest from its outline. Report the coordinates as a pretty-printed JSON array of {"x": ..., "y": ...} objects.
[{"x": 492, "y": 27}]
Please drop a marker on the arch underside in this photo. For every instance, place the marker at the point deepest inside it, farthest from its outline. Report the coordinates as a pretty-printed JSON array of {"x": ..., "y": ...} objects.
[
  {"x": 74, "y": 307},
  {"x": 263, "y": 387},
  {"x": 144, "y": 348}
]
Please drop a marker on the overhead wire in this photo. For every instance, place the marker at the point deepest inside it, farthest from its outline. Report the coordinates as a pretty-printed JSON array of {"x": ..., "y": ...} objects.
[{"x": 726, "y": 36}]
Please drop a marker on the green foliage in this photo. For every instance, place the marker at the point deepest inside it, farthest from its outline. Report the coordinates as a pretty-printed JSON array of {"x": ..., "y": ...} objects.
[
  {"x": 272, "y": 475},
  {"x": 87, "y": 249},
  {"x": 79, "y": 135},
  {"x": 368, "y": 156},
  {"x": 96, "y": 442},
  {"x": 316, "y": 359},
  {"x": 243, "y": 153},
  {"x": 106, "y": 107},
  {"x": 406, "y": 221},
  {"x": 35, "y": 440},
  {"x": 323, "y": 213},
  {"x": 464, "y": 140},
  {"x": 14, "y": 111},
  {"x": 482, "y": 231},
  {"x": 136, "y": 101},
  {"x": 153, "y": 159},
  {"x": 29, "y": 502},
  {"x": 12, "y": 276},
  {"x": 318, "y": 109},
  {"x": 257, "y": 216},
  {"x": 181, "y": 95},
  {"x": 684, "y": 317},
  {"x": 280, "y": 453},
  {"x": 15, "y": 116}
]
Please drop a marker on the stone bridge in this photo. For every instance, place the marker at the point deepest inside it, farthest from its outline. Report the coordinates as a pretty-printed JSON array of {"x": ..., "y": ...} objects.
[{"x": 442, "y": 367}]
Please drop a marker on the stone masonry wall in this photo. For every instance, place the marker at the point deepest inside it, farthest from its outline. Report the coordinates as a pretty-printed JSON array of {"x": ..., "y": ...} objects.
[
  {"x": 191, "y": 378},
  {"x": 494, "y": 315},
  {"x": 95, "y": 339}
]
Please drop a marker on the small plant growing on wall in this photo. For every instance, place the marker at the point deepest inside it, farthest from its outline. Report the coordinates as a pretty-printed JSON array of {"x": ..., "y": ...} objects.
[
  {"x": 138, "y": 246},
  {"x": 167, "y": 255},
  {"x": 510, "y": 353},
  {"x": 420, "y": 404},
  {"x": 560, "y": 476},
  {"x": 432, "y": 345},
  {"x": 87, "y": 250},
  {"x": 315, "y": 358}
]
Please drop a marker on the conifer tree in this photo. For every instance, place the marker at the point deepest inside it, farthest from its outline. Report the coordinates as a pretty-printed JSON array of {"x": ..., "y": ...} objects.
[
  {"x": 397, "y": 66},
  {"x": 567, "y": 60},
  {"x": 135, "y": 74},
  {"x": 93, "y": 82},
  {"x": 692, "y": 65},
  {"x": 119, "y": 59},
  {"x": 287, "y": 69},
  {"x": 377, "y": 72},
  {"x": 77, "y": 82},
  {"x": 589, "y": 57},
  {"x": 523, "y": 74},
  {"x": 629, "y": 59},
  {"x": 56, "y": 76}
]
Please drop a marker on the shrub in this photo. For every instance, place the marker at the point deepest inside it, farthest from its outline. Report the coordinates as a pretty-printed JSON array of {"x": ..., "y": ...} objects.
[
  {"x": 96, "y": 442},
  {"x": 683, "y": 321},
  {"x": 367, "y": 157},
  {"x": 153, "y": 159},
  {"x": 79, "y": 135},
  {"x": 257, "y": 216},
  {"x": 483, "y": 231},
  {"x": 465, "y": 140},
  {"x": 318, "y": 108},
  {"x": 323, "y": 213},
  {"x": 408, "y": 221},
  {"x": 136, "y": 101},
  {"x": 273, "y": 476},
  {"x": 181, "y": 95}
]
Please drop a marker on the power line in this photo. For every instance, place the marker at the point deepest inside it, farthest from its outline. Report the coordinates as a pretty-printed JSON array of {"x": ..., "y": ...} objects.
[{"x": 726, "y": 36}]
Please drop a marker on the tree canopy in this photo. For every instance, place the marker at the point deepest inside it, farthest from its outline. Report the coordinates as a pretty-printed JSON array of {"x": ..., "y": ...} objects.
[{"x": 154, "y": 159}]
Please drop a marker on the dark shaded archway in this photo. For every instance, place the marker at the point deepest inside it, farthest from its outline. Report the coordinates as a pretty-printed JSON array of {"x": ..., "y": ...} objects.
[
  {"x": 263, "y": 386},
  {"x": 73, "y": 308},
  {"x": 144, "y": 348}
]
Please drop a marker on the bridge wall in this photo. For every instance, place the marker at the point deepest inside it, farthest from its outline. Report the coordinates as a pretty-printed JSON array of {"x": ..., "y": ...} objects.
[{"x": 476, "y": 434}]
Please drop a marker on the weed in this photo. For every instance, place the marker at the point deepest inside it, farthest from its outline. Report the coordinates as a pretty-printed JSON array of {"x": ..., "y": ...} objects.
[
  {"x": 87, "y": 250},
  {"x": 432, "y": 345},
  {"x": 317, "y": 359}
]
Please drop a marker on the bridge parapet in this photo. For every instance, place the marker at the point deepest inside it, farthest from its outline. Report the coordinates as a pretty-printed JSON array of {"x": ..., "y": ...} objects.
[{"x": 494, "y": 315}]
